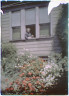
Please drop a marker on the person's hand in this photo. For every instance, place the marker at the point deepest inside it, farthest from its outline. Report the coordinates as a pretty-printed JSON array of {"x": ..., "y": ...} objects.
[
  {"x": 29, "y": 37},
  {"x": 32, "y": 35}
]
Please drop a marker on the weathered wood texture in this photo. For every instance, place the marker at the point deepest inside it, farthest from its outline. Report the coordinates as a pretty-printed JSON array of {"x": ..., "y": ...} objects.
[
  {"x": 39, "y": 48},
  {"x": 5, "y": 28}
]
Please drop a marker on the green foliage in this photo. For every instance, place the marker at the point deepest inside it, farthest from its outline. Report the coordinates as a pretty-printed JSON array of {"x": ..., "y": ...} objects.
[
  {"x": 31, "y": 75},
  {"x": 8, "y": 50},
  {"x": 60, "y": 60},
  {"x": 10, "y": 63},
  {"x": 54, "y": 69},
  {"x": 62, "y": 29},
  {"x": 8, "y": 57}
]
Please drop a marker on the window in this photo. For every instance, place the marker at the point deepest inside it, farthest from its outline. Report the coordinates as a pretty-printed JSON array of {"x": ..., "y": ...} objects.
[
  {"x": 44, "y": 21},
  {"x": 30, "y": 20},
  {"x": 43, "y": 15},
  {"x": 44, "y": 30},
  {"x": 16, "y": 25},
  {"x": 32, "y": 29},
  {"x": 16, "y": 33},
  {"x": 45, "y": 58},
  {"x": 15, "y": 18},
  {"x": 30, "y": 16},
  {"x": 36, "y": 19}
]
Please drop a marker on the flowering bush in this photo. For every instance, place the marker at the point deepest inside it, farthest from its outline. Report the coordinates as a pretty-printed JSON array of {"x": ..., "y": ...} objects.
[
  {"x": 27, "y": 79},
  {"x": 30, "y": 75}
]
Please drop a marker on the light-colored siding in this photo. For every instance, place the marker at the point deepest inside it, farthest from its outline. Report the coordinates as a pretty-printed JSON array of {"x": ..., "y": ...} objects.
[
  {"x": 39, "y": 48},
  {"x": 5, "y": 27}
]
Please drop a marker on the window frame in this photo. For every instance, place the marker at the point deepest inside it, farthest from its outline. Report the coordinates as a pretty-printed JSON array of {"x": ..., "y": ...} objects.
[
  {"x": 20, "y": 32},
  {"x": 29, "y": 26},
  {"x": 23, "y": 25},
  {"x": 26, "y": 10},
  {"x": 49, "y": 30},
  {"x": 19, "y": 13}
]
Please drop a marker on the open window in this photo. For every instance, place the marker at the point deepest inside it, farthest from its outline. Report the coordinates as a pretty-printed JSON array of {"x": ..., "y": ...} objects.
[
  {"x": 45, "y": 58},
  {"x": 32, "y": 29},
  {"x": 30, "y": 21},
  {"x": 36, "y": 19}
]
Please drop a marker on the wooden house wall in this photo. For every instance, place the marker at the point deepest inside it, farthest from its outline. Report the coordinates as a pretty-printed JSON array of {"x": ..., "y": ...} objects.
[
  {"x": 5, "y": 28},
  {"x": 39, "y": 48}
]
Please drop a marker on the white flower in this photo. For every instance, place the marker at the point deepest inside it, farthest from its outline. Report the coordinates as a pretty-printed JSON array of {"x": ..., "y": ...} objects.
[
  {"x": 16, "y": 66},
  {"x": 17, "y": 59},
  {"x": 47, "y": 66},
  {"x": 20, "y": 66}
]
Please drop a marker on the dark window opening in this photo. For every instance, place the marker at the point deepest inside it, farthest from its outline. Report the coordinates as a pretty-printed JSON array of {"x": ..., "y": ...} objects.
[
  {"x": 32, "y": 29},
  {"x": 45, "y": 58}
]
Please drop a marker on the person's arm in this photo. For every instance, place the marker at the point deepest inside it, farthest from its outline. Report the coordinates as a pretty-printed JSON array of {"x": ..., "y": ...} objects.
[{"x": 26, "y": 36}]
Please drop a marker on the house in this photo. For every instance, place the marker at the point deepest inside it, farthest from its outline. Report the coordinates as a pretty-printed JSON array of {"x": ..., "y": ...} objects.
[{"x": 18, "y": 16}]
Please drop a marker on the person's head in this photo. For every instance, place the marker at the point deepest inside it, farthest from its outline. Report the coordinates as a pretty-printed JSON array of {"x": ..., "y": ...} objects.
[{"x": 28, "y": 29}]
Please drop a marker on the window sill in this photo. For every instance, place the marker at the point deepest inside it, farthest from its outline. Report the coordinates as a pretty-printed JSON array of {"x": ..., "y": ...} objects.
[{"x": 33, "y": 39}]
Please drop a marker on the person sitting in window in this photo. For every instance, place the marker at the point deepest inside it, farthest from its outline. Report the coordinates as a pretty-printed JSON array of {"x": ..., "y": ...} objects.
[{"x": 28, "y": 35}]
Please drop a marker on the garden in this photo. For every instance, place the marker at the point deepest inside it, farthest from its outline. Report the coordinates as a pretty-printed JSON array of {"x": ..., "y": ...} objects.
[{"x": 31, "y": 75}]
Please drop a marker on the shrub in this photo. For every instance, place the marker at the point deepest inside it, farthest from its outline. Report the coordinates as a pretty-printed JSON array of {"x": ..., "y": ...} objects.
[
  {"x": 9, "y": 63},
  {"x": 8, "y": 57},
  {"x": 25, "y": 77},
  {"x": 32, "y": 75},
  {"x": 62, "y": 29},
  {"x": 8, "y": 50},
  {"x": 54, "y": 69}
]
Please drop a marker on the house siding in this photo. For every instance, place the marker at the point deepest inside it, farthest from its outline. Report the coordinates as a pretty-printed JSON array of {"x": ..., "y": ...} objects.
[
  {"x": 38, "y": 48},
  {"x": 5, "y": 28}
]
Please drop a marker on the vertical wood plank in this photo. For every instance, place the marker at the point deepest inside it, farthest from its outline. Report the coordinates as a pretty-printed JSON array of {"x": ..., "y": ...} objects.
[
  {"x": 23, "y": 28},
  {"x": 51, "y": 25},
  {"x": 37, "y": 22},
  {"x": 10, "y": 22}
]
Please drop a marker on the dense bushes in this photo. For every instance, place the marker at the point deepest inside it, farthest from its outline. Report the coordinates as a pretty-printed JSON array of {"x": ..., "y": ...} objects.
[
  {"x": 62, "y": 29},
  {"x": 8, "y": 50},
  {"x": 28, "y": 74},
  {"x": 8, "y": 56}
]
